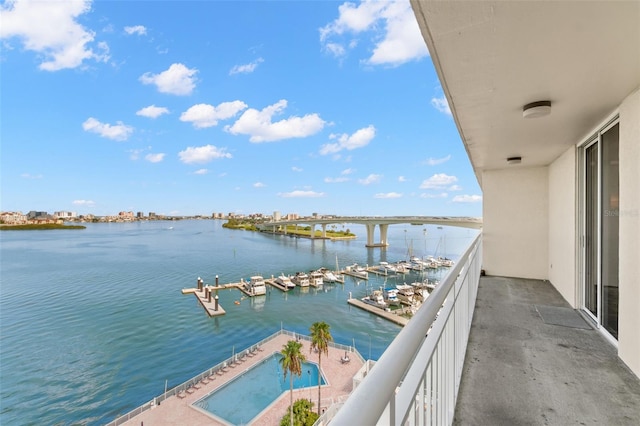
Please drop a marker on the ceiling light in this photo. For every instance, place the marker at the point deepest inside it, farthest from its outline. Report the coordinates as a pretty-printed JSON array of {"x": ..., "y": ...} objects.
[
  {"x": 536, "y": 109},
  {"x": 514, "y": 160}
]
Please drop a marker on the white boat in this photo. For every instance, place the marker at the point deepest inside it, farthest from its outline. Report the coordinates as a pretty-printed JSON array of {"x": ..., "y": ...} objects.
[
  {"x": 301, "y": 279},
  {"x": 386, "y": 269},
  {"x": 376, "y": 299},
  {"x": 285, "y": 281},
  {"x": 358, "y": 271},
  {"x": 405, "y": 293},
  {"x": 316, "y": 278},
  {"x": 391, "y": 297},
  {"x": 256, "y": 286},
  {"x": 329, "y": 277}
]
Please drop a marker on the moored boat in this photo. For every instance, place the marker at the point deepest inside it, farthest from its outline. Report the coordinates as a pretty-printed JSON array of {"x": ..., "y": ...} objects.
[
  {"x": 357, "y": 271},
  {"x": 256, "y": 286},
  {"x": 301, "y": 279},
  {"x": 285, "y": 281}
]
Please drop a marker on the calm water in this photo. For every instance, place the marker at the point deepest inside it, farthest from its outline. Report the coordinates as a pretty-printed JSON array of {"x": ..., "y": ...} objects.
[
  {"x": 265, "y": 382},
  {"x": 93, "y": 321}
]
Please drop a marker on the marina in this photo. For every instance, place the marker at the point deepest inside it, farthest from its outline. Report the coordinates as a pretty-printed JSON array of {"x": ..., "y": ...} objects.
[{"x": 143, "y": 347}]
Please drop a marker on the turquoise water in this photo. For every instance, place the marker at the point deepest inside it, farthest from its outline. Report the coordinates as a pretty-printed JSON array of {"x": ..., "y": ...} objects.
[
  {"x": 93, "y": 321},
  {"x": 265, "y": 382}
]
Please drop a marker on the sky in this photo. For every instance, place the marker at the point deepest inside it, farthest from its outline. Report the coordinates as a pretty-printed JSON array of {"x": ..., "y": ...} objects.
[{"x": 199, "y": 107}]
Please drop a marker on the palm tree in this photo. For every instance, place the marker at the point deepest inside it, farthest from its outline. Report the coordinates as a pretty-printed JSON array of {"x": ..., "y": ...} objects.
[
  {"x": 320, "y": 338},
  {"x": 291, "y": 362}
]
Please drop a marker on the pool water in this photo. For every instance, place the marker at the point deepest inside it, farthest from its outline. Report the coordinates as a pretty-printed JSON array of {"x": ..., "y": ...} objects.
[{"x": 246, "y": 396}]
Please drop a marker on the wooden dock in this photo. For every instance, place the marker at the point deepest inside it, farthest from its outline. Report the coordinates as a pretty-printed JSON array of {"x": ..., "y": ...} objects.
[
  {"x": 272, "y": 282},
  {"x": 209, "y": 307},
  {"x": 378, "y": 311}
]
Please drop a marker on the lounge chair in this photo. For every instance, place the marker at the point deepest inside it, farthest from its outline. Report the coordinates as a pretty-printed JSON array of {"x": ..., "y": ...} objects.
[{"x": 181, "y": 395}]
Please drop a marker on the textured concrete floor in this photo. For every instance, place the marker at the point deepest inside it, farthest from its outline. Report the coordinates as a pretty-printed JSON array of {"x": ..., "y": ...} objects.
[{"x": 521, "y": 369}]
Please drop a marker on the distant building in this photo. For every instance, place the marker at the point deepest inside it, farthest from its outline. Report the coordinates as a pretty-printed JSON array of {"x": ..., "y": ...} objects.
[
  {"x": 140, "y": 215},
  {"x": 34, "y": 214},
  {"x": 13, "y": 218},
  {"x": 65, "y": 215}
]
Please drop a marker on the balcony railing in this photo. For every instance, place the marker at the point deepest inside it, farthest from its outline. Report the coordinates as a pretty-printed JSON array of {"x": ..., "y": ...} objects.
[{"x": 416, "y": 380}]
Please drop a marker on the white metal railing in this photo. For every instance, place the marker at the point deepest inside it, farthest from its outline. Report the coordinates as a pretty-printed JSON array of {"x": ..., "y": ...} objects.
[{"x": 416, "y": 380}]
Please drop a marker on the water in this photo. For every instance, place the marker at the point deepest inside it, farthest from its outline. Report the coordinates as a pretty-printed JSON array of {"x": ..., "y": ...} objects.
[
  {"x": 265, "y": 382},
  {"x": 93, "y": 321}
]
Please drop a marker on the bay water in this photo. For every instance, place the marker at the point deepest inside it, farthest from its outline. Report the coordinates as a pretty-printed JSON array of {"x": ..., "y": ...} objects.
[{"x": 93, "y": 322}]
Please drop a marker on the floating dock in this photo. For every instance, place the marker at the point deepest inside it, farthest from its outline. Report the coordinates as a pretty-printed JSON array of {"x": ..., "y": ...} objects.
[
  {"x": 209, "y": 302},
  {"x": 272, "y": 282},
  {"x": 378, "y": 311}
]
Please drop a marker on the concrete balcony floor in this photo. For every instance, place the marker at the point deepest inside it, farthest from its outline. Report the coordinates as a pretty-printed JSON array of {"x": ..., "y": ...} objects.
[{"x": 523, "y": 368}]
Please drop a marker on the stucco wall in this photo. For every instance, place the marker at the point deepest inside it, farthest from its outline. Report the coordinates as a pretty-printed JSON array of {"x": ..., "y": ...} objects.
[
  {"x": 629, "y": 272},
  {"x": 515, "y": 222},
  {"x": 562, "y": 228}
]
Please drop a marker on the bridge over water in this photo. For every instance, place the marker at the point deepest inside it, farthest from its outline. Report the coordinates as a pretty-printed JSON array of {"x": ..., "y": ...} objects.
[{"x": 371, "y": 222}]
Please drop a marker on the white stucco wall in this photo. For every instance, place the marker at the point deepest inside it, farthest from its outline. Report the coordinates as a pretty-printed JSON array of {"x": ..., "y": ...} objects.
[
  {"x": 629, "y": 307},
  {"x": 515, "y": 222},
  {"x": 562, "y": 228}
]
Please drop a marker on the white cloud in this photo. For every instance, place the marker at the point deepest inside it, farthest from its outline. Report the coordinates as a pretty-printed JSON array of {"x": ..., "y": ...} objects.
[
  {"x": 136, "y": 29},
  {"x": 201, "y": 172},
  {"x": 402, "y": 179},
  {"x": 301, "y": 194},
  {"x": 372, "y": 178},
  {"x": 259, "y": 126},
  {"x": 441, "y": 195},
  {"x": 152, "y": 111},
  {"x": 441, "y": 105},
  {"x": 438, "y": 181},
  {"x": 246, "y": 68},
  {"x": 436, "y": 161},
  {"x": 455, "y": 188},
  {"x": 259, "y": 185},
  {"x": 176, "y": 80},
  {"x": 205, "y": 115},
  {"x": 30, "y": 176},
  {"x": 117, "y": 132},
  {"x": 86, "y": 203},
  {"x": 202, "y": 154},
  {"x": 347, "y": 171},
  {"x": 359, "y": 139},
  {"x": 50, "y": 28},
  {"x": 296, "y": 169},
  {"x": 336, "y": 180},
  {"x": 154, "y": 158},
  {"x": 392, "y": 28},
  {"x": 467, "y": 199},
  {"x": 388, "y": 195}
]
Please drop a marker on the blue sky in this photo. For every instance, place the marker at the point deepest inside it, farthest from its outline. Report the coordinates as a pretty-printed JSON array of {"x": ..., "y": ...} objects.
[{"x": 195, "y": 107}]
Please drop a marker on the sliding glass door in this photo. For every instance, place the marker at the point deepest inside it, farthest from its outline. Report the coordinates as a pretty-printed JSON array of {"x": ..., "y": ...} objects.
[{"x": 601, "y": 199}]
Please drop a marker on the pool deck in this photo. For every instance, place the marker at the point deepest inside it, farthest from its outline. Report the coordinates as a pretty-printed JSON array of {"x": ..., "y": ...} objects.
[{"x": 178, "y": 411}]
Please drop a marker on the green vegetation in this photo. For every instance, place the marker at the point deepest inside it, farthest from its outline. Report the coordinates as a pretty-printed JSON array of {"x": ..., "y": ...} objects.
[
  {"x": 38, "y": 226},
  {"x": 301, "y": 231},
  {"x": 302, "y": 414},
  {"x": 320, "y": 338},
  {"x": 291, "y": 363},
  {"x": 247, "y": 225}
]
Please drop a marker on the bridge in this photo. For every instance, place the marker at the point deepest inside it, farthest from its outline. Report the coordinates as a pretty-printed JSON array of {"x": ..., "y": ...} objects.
[{"x": 371, "y": 222}]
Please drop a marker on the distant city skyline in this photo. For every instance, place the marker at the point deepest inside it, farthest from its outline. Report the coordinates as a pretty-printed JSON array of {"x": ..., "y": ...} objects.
[{"x": 191, "y": 108}]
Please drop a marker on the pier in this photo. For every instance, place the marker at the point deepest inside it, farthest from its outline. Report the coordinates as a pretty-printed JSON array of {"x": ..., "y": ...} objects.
[{"x": 378, "y": 311}]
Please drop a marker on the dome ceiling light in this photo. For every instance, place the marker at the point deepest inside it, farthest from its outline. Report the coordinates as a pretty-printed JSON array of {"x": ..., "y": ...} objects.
[{"x": 536, "y": 109}]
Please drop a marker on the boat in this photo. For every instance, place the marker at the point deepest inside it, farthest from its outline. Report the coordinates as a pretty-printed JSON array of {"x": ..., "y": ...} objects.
[
  {"x": 316, "y": 278},
  {"x": 285, "y": 281},
  {"x": 301, "y": 279},
  {"x": 357, "y": 271},
  {"x": 376, "y": 299},
  {"x": 385, "y": 268},
  {"x": 256, "y": 286},
  {"x": 405, "y": 293},
  {"x": 391, "y": 297},
  {"x": 329, "y": 277}
]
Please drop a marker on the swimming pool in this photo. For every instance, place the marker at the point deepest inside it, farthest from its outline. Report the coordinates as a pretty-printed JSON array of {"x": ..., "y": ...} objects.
[{"x": 246, "y": 396}]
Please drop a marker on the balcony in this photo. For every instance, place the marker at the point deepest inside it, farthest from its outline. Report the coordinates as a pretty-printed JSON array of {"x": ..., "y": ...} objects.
[{"x": 526, "y": 358}]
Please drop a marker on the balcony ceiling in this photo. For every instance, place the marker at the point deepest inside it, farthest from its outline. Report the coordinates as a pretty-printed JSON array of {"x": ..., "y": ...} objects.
[{"x": 493, "y": 57}]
